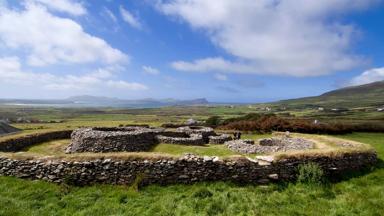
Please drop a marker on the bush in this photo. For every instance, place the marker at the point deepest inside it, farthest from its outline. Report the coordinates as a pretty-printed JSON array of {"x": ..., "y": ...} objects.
[
  {"x": 310, "y": 173},
  {"x": 213, "y": 121},
  {"x": 270, "y": 122}
]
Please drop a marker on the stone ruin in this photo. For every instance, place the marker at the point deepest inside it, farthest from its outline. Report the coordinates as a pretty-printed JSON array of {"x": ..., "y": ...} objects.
[
  {"x": 102, "y": 139},
  {"x": 268, "y": 145},
  {"x": 136, "y": 139}
]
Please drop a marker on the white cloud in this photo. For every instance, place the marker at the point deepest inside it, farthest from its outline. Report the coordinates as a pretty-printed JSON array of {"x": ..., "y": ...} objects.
[
  {"x": 67, "y": 6},
  {"x": 212, "y": 64},
  {"x": 49, "y": 39},
  {"x": 150, "y": 70},
  {"x": 126, "y": 85},
  {"x": 12, "y": 73},
  {"x": 130, "y": 18},
  {"x": 299, "y": 38},
  {"x": 221, "y": 77},
  {"x": 369, "y": 76},
  {"x": 110, "y": 14}
]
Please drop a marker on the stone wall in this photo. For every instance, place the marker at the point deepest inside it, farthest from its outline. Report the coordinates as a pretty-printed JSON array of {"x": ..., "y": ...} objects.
[
  {"x": 220, "y": 139},
  {"x": 193, "y": 139},
  {"x": 19, "y": 143},
  {"x": 135, "y": 139},
  {"x": 131, "y": 139},
  {"x": 186, "y": 169},
  {"x": 205, "y": 132}
]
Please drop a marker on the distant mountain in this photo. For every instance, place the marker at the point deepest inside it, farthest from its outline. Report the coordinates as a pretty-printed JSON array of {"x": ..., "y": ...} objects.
[
  {"x": 371, "y": 94},
  {"x": 146, "y": 102},
  {"x": 97, "y": 101}
]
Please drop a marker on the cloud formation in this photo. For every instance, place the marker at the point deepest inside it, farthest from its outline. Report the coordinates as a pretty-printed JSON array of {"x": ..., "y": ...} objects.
[
  {"x": 150, "y": 70},
  {"x": 67, "y": 6},
  {"x": 129, "y": 18},
  {"x": 50, "y": 39},
  {"x": 296, "y": 38},
  {"x": 369, "y": 76},
  {"x": 11, "y": 73}
]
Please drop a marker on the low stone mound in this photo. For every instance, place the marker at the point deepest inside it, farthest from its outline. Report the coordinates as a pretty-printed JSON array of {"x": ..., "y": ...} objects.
[
  {"x": 98, "y": 139},
  {"x": 203, "y": 131},
  {"x": 7, "y": 129},
  {"x": 269, "y": 145},
  {"x": 193, "y": 139},
  {"x": 221, "y": 139}
]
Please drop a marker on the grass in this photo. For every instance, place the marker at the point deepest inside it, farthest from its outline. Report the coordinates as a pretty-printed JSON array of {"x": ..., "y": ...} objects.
[
  {"x": 55, "y": 147},
  {"x": 360, "y": 194},
  {"x": 324, "y": 145},
  {"x": 209, "y": 150}
]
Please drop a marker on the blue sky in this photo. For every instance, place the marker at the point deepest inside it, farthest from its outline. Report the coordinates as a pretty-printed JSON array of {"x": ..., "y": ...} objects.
[{"x": 223, "y": 50}]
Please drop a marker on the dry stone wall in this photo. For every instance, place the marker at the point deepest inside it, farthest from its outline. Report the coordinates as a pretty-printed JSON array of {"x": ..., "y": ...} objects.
[
  {"x": 19, "y": 143},
  {"x": 135, "y": 139},
  {"x": 186, "y": 169},
  {"x": 193, "y": 139},
  {"x": 131, "y": 139},
  {"x": 205, "y": 132},
  {"x": 220, "y": 139}
]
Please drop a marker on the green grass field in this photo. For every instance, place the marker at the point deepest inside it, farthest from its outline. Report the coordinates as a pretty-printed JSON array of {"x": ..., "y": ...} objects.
[{"x": 357, "y": 195}]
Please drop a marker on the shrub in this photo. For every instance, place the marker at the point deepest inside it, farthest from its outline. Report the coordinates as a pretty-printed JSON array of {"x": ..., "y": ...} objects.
[
  {"x": 212, "y": 121},
  {"x": 310, "y": 173},
  {"x": 270, "y": 122}
]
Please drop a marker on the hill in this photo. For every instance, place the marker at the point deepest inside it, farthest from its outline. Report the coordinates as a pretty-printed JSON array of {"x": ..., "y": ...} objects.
[
  {"x": 368, "y": 95},
  {"x": 97, "y": 101},
  {"x": 6, "y": 128},
  {"x": 146, "y": 102}
]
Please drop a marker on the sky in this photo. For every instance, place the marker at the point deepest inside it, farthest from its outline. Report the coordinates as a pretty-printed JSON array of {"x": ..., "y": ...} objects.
[{"x": 222, "y": 50}]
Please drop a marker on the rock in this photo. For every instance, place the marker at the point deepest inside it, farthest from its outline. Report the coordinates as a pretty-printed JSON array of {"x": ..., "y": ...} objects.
[
  {"x": 269, "y": 145},
  {"x": 273, "y": 176},
  {"x": 263, "y": 181}
]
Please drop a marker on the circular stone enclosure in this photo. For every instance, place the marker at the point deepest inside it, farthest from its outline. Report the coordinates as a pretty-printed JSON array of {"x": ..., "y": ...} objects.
[
  {"x": 205, "y": 132},
  {"x": 102, "y": 139}
]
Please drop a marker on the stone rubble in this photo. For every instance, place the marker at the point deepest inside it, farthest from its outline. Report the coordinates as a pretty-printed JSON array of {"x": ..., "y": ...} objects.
[{"x": 269, "y": 145}]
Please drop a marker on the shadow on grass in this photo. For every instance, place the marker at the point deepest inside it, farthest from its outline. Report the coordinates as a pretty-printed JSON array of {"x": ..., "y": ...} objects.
[{"x": 355, "y": 174}]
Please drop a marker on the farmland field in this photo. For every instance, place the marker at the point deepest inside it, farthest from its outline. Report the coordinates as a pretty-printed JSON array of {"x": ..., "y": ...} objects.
[{"x": 357, "y": 194}]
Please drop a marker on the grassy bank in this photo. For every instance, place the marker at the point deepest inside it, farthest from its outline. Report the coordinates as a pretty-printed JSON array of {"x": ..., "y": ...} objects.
[{"x": 359, "y": 195}]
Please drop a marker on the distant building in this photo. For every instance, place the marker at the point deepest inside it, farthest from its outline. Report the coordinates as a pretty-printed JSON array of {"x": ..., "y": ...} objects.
[
  {"x": 320, "y": 108},
  {"x": 381, "y": 109}
]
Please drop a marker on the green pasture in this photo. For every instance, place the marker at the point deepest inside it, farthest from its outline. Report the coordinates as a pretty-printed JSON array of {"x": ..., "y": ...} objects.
[{"x": 357, "y": 194}]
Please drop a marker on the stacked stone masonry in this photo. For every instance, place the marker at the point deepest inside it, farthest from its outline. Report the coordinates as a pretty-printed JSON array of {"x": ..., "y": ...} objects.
[
  {"x": 19, "y": 143},
  {"x": 165, "y": 170},
  {"x": 136, "y": 139},
  {"x": 186, "y": 169},
  {"x": 131, "y": 139}
]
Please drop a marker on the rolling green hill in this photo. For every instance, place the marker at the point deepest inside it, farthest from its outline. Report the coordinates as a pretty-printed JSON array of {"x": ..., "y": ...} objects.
[{"x": 368, "y": 95}]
